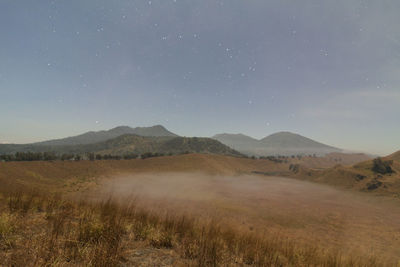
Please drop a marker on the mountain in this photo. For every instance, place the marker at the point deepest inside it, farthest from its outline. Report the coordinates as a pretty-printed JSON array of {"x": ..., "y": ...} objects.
[
  {"x": 239, "y": 142},
  {"x": 95, "y": 137},
  {"x": 286, "y": 143},
  {"x": 127, "y": 144},
  {"x": 282, "y": 143}
]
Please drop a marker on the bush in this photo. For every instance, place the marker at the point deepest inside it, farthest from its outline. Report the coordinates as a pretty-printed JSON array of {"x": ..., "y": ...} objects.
[
  {"x": 130, "y": 156},
  {"x": 382, "y": 166}
]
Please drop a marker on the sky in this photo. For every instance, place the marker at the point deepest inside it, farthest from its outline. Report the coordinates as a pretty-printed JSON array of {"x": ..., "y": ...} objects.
[{"x": 329, "y": 70}]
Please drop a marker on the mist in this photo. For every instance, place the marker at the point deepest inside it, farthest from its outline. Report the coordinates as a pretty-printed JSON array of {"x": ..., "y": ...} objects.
[{"x": 308, "y": 212}]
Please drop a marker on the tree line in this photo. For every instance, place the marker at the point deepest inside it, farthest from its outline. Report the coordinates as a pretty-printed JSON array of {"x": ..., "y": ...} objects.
[{"x": 52, "y": 156}]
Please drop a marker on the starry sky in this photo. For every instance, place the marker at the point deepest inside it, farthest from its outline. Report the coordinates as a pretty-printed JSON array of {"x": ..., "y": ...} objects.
[{"x": 329, "y": 70}]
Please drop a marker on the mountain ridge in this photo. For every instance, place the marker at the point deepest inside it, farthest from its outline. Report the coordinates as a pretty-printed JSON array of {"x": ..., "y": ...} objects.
[
  {"x": 281, "y": 143},
  {"x": 103, "y": 135},
  {"x": 133, "y": 144}
]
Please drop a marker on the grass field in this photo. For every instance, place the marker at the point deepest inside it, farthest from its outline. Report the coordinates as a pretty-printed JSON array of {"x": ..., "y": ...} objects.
[{"x": 189, "y": 210}]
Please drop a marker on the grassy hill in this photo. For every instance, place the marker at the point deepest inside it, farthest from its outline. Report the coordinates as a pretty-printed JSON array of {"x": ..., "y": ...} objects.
[
  {"x": 80, "y": 174},
  {"x": 395, "y": 156},
  {"x": 165, "y": 145},
  {"x": 330, "y": 160},
  {"x": 361, "y": 176}
]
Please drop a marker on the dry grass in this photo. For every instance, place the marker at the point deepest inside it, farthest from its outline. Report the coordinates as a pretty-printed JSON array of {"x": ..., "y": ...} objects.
[
  {"x": 42, "y": 230},
  {"x": 38, "y": 228}
]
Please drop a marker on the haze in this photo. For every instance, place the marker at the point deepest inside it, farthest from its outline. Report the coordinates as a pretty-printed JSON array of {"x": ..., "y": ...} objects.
[
  {"x": 328, "y": 70},
  {"x": 307, "y": 211}
]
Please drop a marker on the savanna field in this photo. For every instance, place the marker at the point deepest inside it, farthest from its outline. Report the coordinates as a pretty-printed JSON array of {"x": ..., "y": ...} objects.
[
  {"x": 188, "y": 210},
  {"x": 200, "y": 133}
]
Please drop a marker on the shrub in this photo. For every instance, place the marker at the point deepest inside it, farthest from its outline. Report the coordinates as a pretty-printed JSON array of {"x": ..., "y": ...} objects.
[{"x": 382, "y": 166}]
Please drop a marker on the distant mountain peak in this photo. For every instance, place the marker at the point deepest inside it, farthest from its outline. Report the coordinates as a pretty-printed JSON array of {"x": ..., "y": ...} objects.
[
  {"x": 122, "y": 127},
  {"x": 280, "y": 143},
  {"x": 232, "y": 135},
  {"x": 159, "y": 126},
  {"x": 291, "y": 139},
  {"x": 286, "y": 134},
  {"x": 100, "y": 136}
]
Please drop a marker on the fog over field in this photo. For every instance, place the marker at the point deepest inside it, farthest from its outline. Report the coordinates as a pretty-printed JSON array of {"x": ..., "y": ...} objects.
[
  {"x": 308, "y": 212},
  {"x": 200, "y": 133}
]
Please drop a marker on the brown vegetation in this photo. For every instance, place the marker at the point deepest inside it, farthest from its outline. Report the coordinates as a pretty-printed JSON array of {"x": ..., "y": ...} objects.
[
  {"x": 329, "y": 160},
  {"x": 250, "y": 220},
  {"x": 36, "y": 229}
]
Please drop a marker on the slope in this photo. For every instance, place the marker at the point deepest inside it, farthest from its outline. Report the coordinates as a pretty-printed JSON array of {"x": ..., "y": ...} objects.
[
  {"x": 395, "y": 156},
  {"x": 360, "y": 176}
]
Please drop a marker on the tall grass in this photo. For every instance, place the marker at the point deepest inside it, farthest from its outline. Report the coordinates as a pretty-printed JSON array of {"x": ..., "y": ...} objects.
[{"x": 39, "y": 229}]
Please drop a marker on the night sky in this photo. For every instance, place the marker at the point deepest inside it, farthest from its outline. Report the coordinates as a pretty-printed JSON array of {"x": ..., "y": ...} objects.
[{"x": 329, "y": 70}]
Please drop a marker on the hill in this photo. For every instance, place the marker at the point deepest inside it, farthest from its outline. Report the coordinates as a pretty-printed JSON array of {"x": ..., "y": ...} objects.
[
  {"x": 165, "y": 145},
  {"x": 330, "y": 160},
  {"x": 362, "y": 176},
  {"x": 282, "y": 143},
  {"x": 135, "y": 144},
  {"x": 395, "y": 156},
  {"x": 54, "y": 173},
  {"x": 50, "y": 175}
]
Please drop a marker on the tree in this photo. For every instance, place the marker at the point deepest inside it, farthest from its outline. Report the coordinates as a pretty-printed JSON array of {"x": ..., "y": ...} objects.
[
  {"x": 67, "y": 156},
  {"x": 49, "y": 156},
  {"x": 91, "y": 156},
  {"x": 130, "y": 156}
]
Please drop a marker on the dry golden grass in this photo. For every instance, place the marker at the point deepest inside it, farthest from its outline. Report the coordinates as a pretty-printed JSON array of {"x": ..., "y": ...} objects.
[
  {"x": 44, "y": 222},
  {"x": 395, "y": 156},
  {"x": 40, "y": 230},
  {"x": 330, "y": 160}
]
